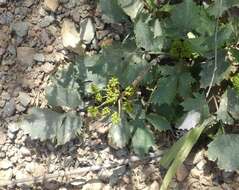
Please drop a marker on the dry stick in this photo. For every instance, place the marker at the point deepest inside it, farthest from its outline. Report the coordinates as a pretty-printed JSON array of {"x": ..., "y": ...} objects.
[
  {"x": 76, "y": 171},
  {"x": 215, "y": 50}
]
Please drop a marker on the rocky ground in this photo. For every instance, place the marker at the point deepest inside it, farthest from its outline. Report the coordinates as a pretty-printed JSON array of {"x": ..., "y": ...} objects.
[{"x": 36, "y": 37}]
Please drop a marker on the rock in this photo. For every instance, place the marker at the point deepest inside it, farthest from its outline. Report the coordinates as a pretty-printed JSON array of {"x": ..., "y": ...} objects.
[
  {"x": 96, "y": 185},
  {"x": 9, "y": 108},
  {"x": 3, "y": 137},
  {"x": 35, "y": 169},
  {"x": 25, "y": 55},
  {"x": 198, "y": 157},
  {"x": 20, "y": 28},
  {"x": 21, "y": 174},
  {"x": 5, "y": 175},
  {"x": 154, "y": 186},
  {"x": 70, "y": 37},
  {"x": 3, "y": 2},
  {"x": 24, "y": 151},
  {"x": 5, "y": 164},
  {"x": 2, "y": 155},
  {"x": 87, "y": 30},
  {"x": 20, "y": 108},
  {"x": 51, "y": 5},
  {"x": 24, "y": 99},
  {"x": 28, "y": 3},
  {"x": 46, "y": 21},
  {"x": 4, "y": 38},
  {"x": 13, "y": 128},
  {"x": 47, "y": 67},
  {"x": 200, "y": 165},
  {"x": 39, "y": 57},
  {"x": 182, "y": 173},
  {"x": 6, "y": 18}
]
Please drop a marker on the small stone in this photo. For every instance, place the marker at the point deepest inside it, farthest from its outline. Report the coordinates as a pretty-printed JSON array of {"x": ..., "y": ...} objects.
[
  {"x": 51, "y": 5},
  {"x": 13, "y": 128},
  {"x": 198, "y": 157},
  {"x": 20, "y": 108},
  {"x": 196, "y": 173},
  {"x": 24, "y": 151},
  {"x": 20, "y": 28},
  {"x": 9, "y": 108},
  {"x": 3, "y": 2},
  {"x": 182, "y": 173},
  {"x": 200, "y": 165},
  {"x": 24, "y": 99},
  {"x": 39, "y": 57},
  {"x": 35, "y": 169},
  {"x": 5, "y": 175},
  {"x": 20, "y": 174},
  {"x": 70, "y": 37},
  {"x": 25, "y": 55},
  {"x": 87, "y": 30},
  {"x": 28, "y": 3},
  {"x": 3, "y": 137},
  {"x": 154, "y": 186},
  {"x": 2, "y": 155},
  {"x": 5, "y": 164},
  {"x": 96, "y": 185},
  {"x": 46, "y": 21}
]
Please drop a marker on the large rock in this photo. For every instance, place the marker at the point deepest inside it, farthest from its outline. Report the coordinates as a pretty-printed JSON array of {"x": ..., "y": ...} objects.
[
  {"x": 87, "y": 30},
  {"x": 24, "y": 99},
  {"x": 51, "y": 5},
  {"x": 5, "y": 164},
  {"x": 25, "y": 55},
  {"x": 70, "y": 37}
]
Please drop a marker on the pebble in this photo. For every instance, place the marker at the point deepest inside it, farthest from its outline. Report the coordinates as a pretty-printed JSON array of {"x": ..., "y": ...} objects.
[
  {"x": 20, "y": 28},
  {"x": 87, "y": 30},
  {"x": 5, "y": 164},
  {"x": 3, "y": 137},
  {"x": 24, "y": 99},
  {"x": 25, "y": 55},
  {"x": 6, "y": 175},
  {"x": 13, "y": 128},
  {"x": 3, "y": 2},
  {"x": 182, "y": 173},
  {"x": 70, "y": 37},
  {"x": 51, "y": 5},
  {"x": 46, "y": 21},
  {"x": 28, "y": 3},
  {"x": 39, "y": 57},
  {"x": 24, "y": 151},
  {"x": 9, "y": 108}
]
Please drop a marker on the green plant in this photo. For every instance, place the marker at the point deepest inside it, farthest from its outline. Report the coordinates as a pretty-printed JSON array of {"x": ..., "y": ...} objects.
[{"x": 172, "y": 69}]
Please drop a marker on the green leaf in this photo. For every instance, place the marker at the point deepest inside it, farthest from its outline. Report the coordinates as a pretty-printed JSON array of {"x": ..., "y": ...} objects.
[
  {"x": 220, "y": 6},
  {"x": 119, "y": 134},
  {"x": 111, "y": 11},
  {"x": 175, "y": 80},
  {"x": 185, "y": 84},
  {"x": 179, "y": 152},
  {"x": 185, "y": 16},
  {"x": 184, "y": 147},
  {"x": 131, "y": 7},
  {"x": 159, "y": 122},
  {"x": 224, "y": 150},
  {"x": 233, "y": 103},
  {"x": 197, "y": 103},
  {"x": 165, "y": 91},
  {"x": 145, "y": 37},
  {"x": 45, "y": 124},
  {"x": 121, "y": 61},
  {"x": 142, "y": 139},
  {"x": 223, "y": 71},
  {"x": 58, "y": 96}
]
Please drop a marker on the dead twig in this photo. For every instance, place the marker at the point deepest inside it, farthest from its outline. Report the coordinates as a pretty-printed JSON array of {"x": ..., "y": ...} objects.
[{"x": 77, "y": 171}]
